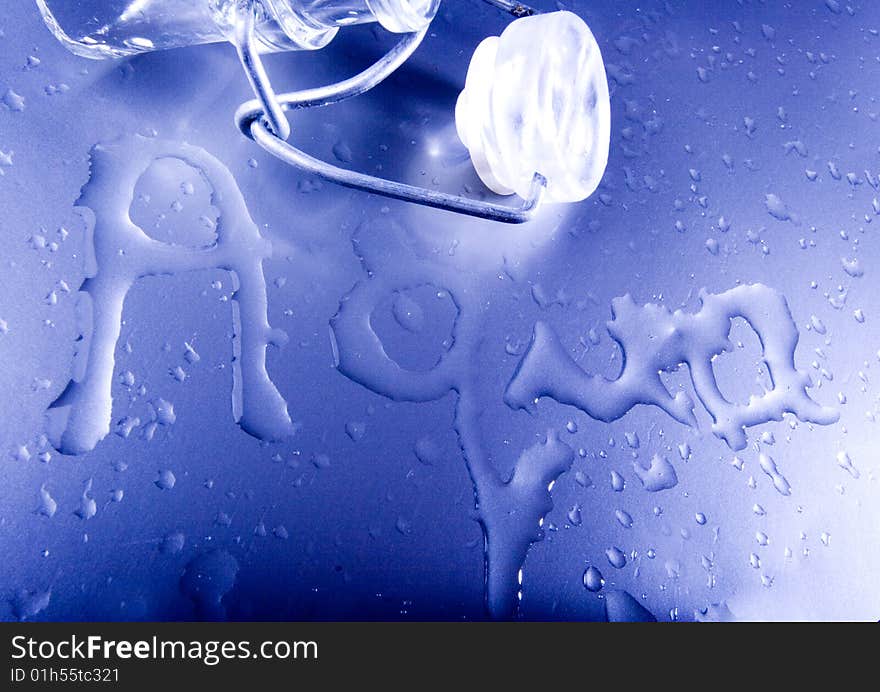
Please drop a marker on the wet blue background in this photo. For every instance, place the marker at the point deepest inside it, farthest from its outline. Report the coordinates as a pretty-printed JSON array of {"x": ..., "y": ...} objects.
[{"x": 377, "y": 533}]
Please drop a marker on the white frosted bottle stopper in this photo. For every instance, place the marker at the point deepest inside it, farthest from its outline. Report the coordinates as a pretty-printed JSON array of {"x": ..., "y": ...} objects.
[{"x": 536, "y": 101}]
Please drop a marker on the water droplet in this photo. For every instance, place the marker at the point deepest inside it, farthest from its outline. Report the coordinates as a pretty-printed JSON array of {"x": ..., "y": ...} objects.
[
  {"x": 762, "y": 538},
  {"x": 13, "y": 101},
  {"x": 769, "y": 467},
  {"x": 624, "y": 518},
  {"x": 355, "y": 430},
  {"x": 190, "y": 353},
  {"x": 616, "y": 557},
  {"x": 172, "y": 543},
  {"x": 321, "y": 461},
  {"x": 660, "y": 474},
  {"x": 428, "y": 451},
  {"x": 166, "y": 480},
  {"x": 408, "y": 313},
  {"x": 48, "y": 506},
  {"x": 342, "y": 152},
  {"x": 163, "y": 411},
  {"x": 87, "y": 505},
  {"x": 593, "y": 579},
  {"x": 27, "y": 604},
  {"x": 844, "y": 462},
  {"x": 403, "y": 526}
]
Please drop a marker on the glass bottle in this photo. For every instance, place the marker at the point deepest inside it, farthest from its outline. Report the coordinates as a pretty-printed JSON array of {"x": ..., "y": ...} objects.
[{"x": 119, "y": 28}]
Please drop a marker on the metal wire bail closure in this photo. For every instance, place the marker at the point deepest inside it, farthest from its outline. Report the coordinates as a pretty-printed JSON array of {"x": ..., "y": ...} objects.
[{"x": 263, "y": 120}]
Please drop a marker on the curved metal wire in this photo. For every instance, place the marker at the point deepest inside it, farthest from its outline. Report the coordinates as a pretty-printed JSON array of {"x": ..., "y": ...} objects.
[
  {"x": 390, "y": 188},
  {"x": 517, "y": 9},
  {"x": 267, "y": 100},
  {"x": 270, "y": 108},
  {"x": 262, "y": 119}
]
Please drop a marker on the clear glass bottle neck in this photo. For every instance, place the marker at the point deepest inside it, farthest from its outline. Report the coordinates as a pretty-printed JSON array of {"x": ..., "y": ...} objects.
[
  {"x": 313, "y": 23},
  {"x": 120, "y": 28}
]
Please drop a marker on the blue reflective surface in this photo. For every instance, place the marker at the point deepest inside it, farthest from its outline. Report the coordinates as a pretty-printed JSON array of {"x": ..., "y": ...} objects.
[{"x": 744, "y": 151}]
